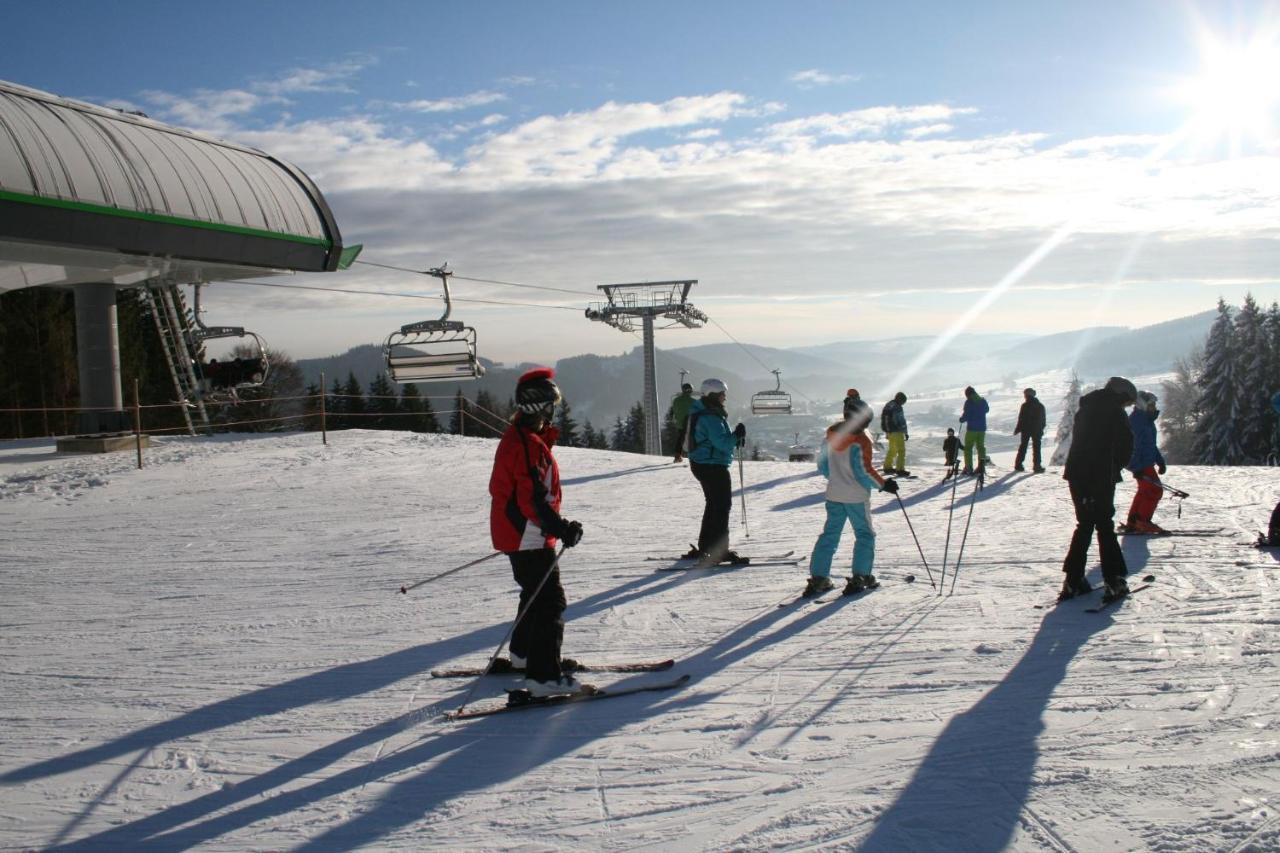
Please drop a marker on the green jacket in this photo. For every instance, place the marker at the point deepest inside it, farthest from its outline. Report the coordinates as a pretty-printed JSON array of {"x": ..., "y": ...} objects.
[{"x": 680, "y": 409}]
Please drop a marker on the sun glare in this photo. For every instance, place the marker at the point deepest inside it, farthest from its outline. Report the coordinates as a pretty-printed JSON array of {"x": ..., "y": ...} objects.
[{"x": 1237, "y": 92}]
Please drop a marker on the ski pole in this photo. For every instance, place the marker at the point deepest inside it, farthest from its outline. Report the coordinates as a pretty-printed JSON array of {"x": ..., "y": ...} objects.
[
  {"x": 903, "y": 507},
  {"x": 955, "y": 572},
  {"x": 950, "y": 513},
  {"x": 742, "y": 492},
  {"x": 1177, "y": 493},
  {"x": 519, "y": 616},
  {"x": 451, "y": 571}
]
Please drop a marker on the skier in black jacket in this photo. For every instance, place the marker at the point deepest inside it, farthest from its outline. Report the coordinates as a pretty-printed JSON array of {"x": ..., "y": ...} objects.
[
  {"x": 1101, "y": 444},
  {"x": 1031, "y": 426}
]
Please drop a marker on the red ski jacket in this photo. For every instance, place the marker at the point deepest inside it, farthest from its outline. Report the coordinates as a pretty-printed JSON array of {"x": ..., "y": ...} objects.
[{"x": 525, "y": 486}]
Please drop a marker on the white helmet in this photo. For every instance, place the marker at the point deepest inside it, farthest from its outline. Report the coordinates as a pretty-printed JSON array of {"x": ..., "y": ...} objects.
[{"x": 714, "y": 386}]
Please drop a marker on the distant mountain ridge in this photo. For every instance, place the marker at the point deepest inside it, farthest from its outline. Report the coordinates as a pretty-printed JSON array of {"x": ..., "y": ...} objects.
[{"x": 602, "y": 388}]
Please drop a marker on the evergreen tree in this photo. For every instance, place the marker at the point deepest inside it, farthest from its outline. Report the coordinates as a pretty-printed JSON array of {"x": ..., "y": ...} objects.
[
  {"x": 489, "y": 417},
  {"x": 567, "y": 426},
  {"x": 458, "y": 420},
  {"x": 354, "y": 406},
  {"x": 1252, "y": 382},
  {"x": 420, "y": 416},
  {"x": 1178, "y": 410},
  {"x": 311, "y": 407},
  {"x": 588, "y": 434},
  {"x": 1070, "y": 405},
  {"x": 1271, "y": 330},
  {"x": 335, "y": 407},
  {"x": 384, "y": 403},
  {"x": 618, "y": 440},
  {"x": 634, "y": 430},
  {"x": 1216, "y": 437}
]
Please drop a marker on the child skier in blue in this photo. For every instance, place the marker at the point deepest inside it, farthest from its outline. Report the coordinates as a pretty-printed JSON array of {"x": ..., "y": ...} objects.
[{"x": 845, "y": 461}]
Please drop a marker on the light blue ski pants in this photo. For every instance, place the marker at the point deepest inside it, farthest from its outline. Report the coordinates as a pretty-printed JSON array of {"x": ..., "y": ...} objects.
[{"x": 864, "y": 545}]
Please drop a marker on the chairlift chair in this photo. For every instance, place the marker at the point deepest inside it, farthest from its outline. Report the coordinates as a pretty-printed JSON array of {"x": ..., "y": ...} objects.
[
  {"x": 775, "y": 402},
  {"x": 433, "y": 350},
  {"x": 225, "y": 377}
]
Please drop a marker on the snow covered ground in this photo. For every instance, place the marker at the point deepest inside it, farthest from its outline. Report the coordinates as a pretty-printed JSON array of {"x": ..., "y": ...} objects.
[{"x": 212, "y": 653}]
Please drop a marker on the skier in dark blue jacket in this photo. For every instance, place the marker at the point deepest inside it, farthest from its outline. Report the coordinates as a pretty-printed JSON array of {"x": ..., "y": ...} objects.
[{"x": 1146, "y": 465}]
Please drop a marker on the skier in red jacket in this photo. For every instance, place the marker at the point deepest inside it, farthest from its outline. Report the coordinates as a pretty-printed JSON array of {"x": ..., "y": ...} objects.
[{"x": 525, "y": 523}]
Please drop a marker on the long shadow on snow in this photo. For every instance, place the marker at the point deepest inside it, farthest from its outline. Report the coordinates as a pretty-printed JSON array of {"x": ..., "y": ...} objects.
[
  {"x": 970, "y": 790},
  {"x": 330, "y": 685},
  {"x": 964, "y": 492},
  {"x": 463, "y": 758},
  {"x": 587, "y": 478}
]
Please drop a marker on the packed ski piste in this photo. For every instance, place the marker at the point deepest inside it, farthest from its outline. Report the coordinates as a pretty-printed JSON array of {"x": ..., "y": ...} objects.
[{"x": 268, "y": 643}]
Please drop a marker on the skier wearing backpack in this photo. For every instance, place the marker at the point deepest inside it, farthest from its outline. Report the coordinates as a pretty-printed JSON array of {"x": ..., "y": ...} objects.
[
  {"x": 711, "y": 445},
  {"x": 1031, "y": 425},
  {"x": 1147, "y": 464},
  {"x": 680, "y": 414},
  {"x": 525, "y": 522},
  {"x": 1101, "y": 445},
  {"x": 845, "y": 460},
  {"x": 893, "y": 421},
  {"x": 974, "y": 416}
]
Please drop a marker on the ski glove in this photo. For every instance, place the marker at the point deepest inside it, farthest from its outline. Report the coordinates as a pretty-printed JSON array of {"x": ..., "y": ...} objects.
[
  {"x": 890, "y": 486},
  {"x": 1162, "y": 469},
  {"x": 571, "y": 534},
  {"x": 740, "y": 433}
]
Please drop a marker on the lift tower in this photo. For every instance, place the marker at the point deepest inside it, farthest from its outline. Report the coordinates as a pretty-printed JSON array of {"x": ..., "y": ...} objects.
[{"x": 648, "y": 300}]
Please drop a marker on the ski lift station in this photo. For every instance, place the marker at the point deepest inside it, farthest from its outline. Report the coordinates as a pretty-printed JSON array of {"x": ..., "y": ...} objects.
[{"x": 94, "y": 200}]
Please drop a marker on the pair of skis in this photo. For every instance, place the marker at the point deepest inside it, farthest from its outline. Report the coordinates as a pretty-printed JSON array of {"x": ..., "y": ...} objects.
[
  {"x": 518, "y": 700},
  {"x": 684, "y": 563},
  {"x": 1106, "y": 602}
]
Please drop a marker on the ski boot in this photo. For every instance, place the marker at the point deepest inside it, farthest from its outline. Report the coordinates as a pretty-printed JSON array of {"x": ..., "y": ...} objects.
[
  {"x": 1019, "y": 468},
  {"x": 565, "y": 685},
  {"x": 694, "y": 554},
  {"x": 903, "y": 472},
  {"x": 1039, "y": 469},
  {"x": 817, "y": 586},
  {"x": 733, "y": 558},
  {"x": 1071, "y": 587},
  {"x": 1116, "y": 588},
  {"x": 860, "y": 583},
  {"x": 967, "y": 472}
]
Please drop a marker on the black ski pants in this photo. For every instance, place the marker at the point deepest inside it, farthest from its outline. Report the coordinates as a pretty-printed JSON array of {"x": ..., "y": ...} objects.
[
  {"x": 1095, "y": 513},
  {"x": 538, "y": 636},
  {"x": 1034, "y": 438},
  {"x": 717, "y": 489}
]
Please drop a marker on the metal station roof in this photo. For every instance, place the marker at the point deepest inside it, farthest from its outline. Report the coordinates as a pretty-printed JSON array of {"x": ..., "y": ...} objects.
[{"x": 112, "y": 196}]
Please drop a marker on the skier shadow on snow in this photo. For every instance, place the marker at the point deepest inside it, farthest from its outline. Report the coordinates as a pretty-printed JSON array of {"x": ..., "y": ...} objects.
[
  {"x": 427, "y": 774},
  {"x": 971, "y": 789},
  {"x": 588, "y": 478},
  {"x": 331, "y": 685}
]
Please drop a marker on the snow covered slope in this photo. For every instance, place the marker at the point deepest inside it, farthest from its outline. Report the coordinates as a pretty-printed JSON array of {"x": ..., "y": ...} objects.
[{"x": 212, "y": 653}]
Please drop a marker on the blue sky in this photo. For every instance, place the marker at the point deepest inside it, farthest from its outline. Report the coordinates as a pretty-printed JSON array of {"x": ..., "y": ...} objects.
[{"x": 827, "y": 171}]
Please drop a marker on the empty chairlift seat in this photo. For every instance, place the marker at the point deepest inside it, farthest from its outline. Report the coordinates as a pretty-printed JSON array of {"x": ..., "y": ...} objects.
[
  {"x": 432, "y": 351},
  {"x": 775, "y": 402}
]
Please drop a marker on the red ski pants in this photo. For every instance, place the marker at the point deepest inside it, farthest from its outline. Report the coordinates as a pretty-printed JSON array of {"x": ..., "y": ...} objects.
[{"x": 1148, "y": 496}]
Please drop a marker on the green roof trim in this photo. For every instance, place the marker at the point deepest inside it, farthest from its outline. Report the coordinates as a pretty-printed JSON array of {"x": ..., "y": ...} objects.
[
  {"x": 87, "y": 207},
  {"x": 348, "y": 256}
]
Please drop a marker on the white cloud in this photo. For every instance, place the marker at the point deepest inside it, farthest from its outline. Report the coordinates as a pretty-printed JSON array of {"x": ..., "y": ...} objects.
[
  {"x": 334, "y": 77},
  {"x": 887, "y": 200},
  {"x": 448, "y": 105},
  {"x": 813, "y": 77}
]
